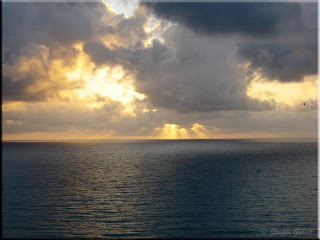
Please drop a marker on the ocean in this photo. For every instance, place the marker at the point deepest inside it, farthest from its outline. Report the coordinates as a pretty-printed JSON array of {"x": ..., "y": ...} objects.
[{"x": 160, "y": 189}]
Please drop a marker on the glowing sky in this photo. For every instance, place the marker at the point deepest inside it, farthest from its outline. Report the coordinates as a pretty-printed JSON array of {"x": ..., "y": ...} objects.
[{"x": 120, "y": 69}]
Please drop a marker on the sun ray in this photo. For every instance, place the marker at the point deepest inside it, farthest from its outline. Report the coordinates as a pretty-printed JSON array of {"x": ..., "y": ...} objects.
[{"x": 174, "y": 131}]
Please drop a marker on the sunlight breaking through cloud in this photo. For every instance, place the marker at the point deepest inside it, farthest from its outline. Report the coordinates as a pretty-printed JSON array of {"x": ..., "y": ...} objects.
[{"x": 174, "y": 131}]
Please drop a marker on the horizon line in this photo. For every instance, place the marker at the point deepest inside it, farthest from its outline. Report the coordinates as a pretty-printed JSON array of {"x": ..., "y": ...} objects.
[{"x": 164, "y": 139}]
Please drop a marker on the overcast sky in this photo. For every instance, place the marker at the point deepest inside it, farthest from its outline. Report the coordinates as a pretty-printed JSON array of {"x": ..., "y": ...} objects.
[{"x": 120, "y": 69}]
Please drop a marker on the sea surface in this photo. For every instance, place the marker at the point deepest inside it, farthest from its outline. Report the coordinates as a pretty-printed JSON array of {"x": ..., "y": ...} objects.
[{"x": 160, "y": 189}]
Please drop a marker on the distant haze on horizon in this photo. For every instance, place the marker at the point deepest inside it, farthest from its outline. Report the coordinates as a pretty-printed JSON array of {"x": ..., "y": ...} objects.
[{"x": 130, "y": 70}]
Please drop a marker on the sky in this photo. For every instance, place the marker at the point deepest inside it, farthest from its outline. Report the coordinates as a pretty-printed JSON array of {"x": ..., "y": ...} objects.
[{"x": 157, "y": 70}]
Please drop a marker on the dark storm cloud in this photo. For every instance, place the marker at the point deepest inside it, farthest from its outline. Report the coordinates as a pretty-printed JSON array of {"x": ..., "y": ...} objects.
[
  {"x": 258, "y": 19},
  {"x": 288, "y": 57},
  {"x": 280, "y": 61},
  {"x": 279, "y": 39}
]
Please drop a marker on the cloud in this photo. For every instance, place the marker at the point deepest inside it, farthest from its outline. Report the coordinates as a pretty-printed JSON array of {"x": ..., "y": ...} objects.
[
  {"x": 188, "y": 73},
  {"x": 280, "y": 123},
  {"x": 99, "y": 53},
  {"x": 34, "y": 31},
  {"x": 278, "y": 39},
  {"x": 129, "y": 31},
  {"x": 37, "y": 74},
  {"x": 279, "y": 60},
  {"x": 49, "y": 24},
  {"x": 37, "y": 37},
  {"x": 63, "y": 117},
  {"x": 258, "y": 19},
  {"x": 289, "y": 56}
]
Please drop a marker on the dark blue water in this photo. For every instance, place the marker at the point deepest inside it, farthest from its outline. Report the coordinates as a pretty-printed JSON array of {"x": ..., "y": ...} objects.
[{"x": 162, "y": 189}]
